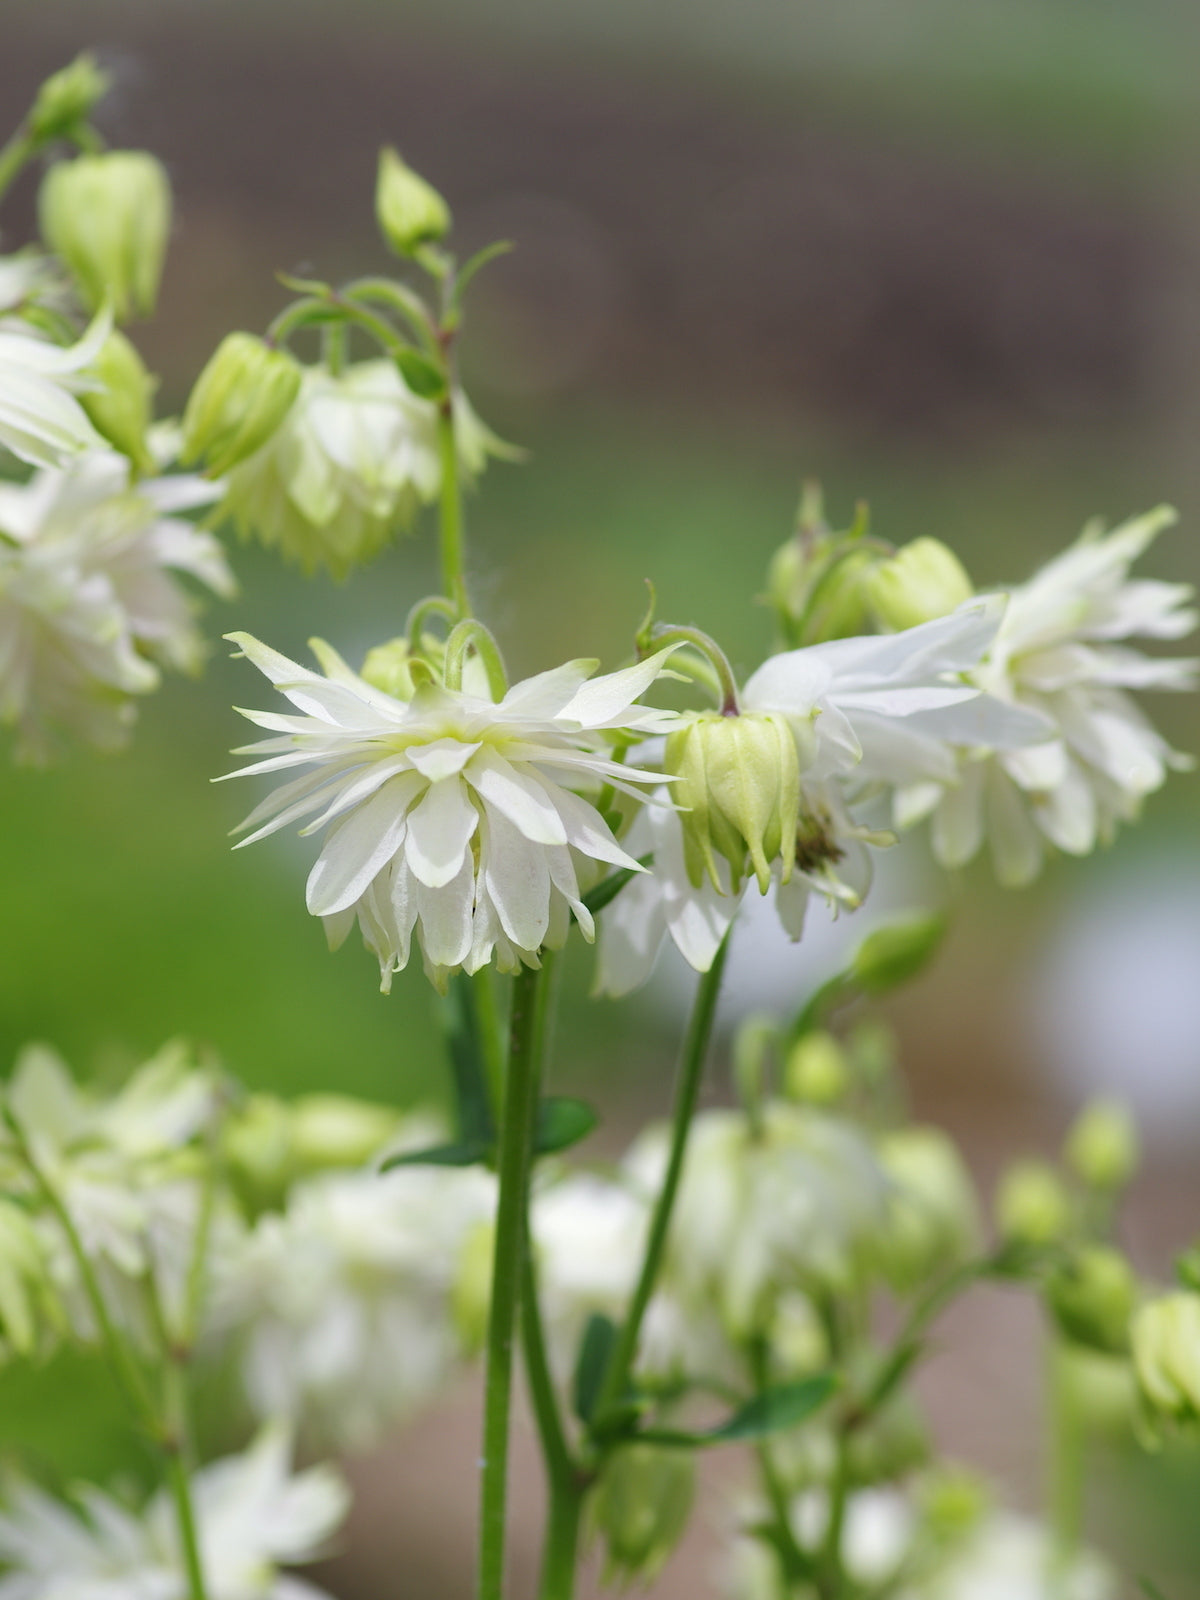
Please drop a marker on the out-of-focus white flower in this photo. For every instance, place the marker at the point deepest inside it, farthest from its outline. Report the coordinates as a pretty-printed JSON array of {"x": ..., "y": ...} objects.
[
  {"x": 89, "y": 602},
  {"x": 40, "y": 419},
  {"x": 1013, "y": 1558},
  {"x": 877, "y": 1534},
  {"x": 1058, "y": 652},
  {"x": 450, "y": 814},
  {"x": 866, "y": 714},
  {"x": 252, "y": 1515},
  {"x": 341, "y": 1306},
  {"x": 352, "y": 462},
  {"x": 791, "y": 1204}
]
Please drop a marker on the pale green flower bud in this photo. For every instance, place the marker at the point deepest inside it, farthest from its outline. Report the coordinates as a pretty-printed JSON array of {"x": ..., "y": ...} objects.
[
  {"x": 640, "y": 1509},
  {"x": 922, "y": 581},
  {"x": 1092, "y": 1298},
  {"x": 953, "y": 1501},
  {"x": 819, "y": 589},
  {"x": 1032, "y": 1207},
  {"x": 933, "y": 1213},
  {"x": 1100, "y": 1388},
  {"x": 256, "y": 1143},
  {"x": 739, "y": 793},
  {"x": 1102, "y": 1146},
  {"x": 335, "y": 1130},
  {"x": 108, "y": 217},
  {"x": 816, "y": 1072},
  {"x": 122, "y": 409},
  {"x": 471, "y": 1294},
  {"x": 389, "y": 667},
  {"x": 410, "y": 212},
  {"x": 67, "y": 99},
  {"x": 1166, "y": 1354},
  {"x": 240, "y": 400}
]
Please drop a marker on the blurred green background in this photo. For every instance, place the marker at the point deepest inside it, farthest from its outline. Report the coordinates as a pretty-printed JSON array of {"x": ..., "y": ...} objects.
[{"x": 943, "y": 257}]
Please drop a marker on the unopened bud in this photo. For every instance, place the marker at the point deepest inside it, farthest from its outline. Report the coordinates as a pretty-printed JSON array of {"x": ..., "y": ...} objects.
[
  {"x": 640, "y": 1509},
  {"x": 122, "y": 409},
  {"x": 1102, "y": 1146},
  {"x": 739, "y": 793},
  {"x": 257, "y": 1147},
  {"x": 66, "y": 100},
  {"x": 953, "y": 1501},
  {"x": 108, "y": 217},
  {"x": 335, "y": 1130},
  {"x": 933, "y": 1214},
  {"x": 1166, "y": 1354},
  {"x": 1032, "y": 1207},
  {"x": 410, "y": 212},
  {"x": 818, "y": 588},
  {"x": 389, "y": 667},
  {"x": 240, "y": 399},
  {"x": 922, "y": 581},
  {"x": 816, "y": 1072},
  {"x": 1092, "y": 1298},
  {"x": 471, "y": 1294}
]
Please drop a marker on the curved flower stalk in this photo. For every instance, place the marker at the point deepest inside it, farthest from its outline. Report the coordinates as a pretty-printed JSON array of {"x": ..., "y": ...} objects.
[
  {"x": 41, "y": 421},
  {"x": 90, "y": 606},
  {"x": 1059, "y": 652},
  {"x": 253, "y": 1517},
  {"x": 353, "y": 461},
  {"x": 451, "y": 816},
  {"x": 866, "y": 715},
  {"x": 341, "y": 1307}
]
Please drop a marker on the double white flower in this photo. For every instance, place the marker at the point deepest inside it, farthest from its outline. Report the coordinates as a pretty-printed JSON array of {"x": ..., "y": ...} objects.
[
  {"x": 449, "y": 815},
  {"x": 1058, "y": 654},
  {"x": 41, "y": 421}
]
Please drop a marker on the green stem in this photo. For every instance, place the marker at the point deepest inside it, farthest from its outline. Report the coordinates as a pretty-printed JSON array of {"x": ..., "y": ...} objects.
[
  {"x": 517, "y": 1124},
  {"x": 20, "y": 149},
  {"x": 662, "y": 635},
  {"x": 560, "y": 1552},
  {"x": 687, "y": 1091},
  {"x": 1066, "y": 1465},
  {"x": 491, "y": 1031},
  {"x": 176, "y": 1451},
  {"x": 832, "y": 1573},
  {"x": 451, "y": 520},
  {"x": 468, "y": 635}
]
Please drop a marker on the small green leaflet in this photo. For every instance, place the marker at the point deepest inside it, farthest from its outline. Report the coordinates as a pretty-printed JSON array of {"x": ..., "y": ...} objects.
[
  {"x": 784, "y": 1406},
  {"x": 562, "y": 1122},
  {"x": 595, "y": 1353}
]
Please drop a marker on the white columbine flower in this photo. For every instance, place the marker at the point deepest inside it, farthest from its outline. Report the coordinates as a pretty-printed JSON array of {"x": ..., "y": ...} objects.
[
  {"x": 867, "y": 714},
  {"x": 40, "y": 419},
  {"x": 1013, "y": 1558},
  {"x": 354, "y": 459},
  {"x": 341, "y": 1306},
  {"x": 252, "y": 1517},
  {"x": 1059, "y": 653},
  {"x": 90, "y": 606},
  {"x": 451, "y": 815}
]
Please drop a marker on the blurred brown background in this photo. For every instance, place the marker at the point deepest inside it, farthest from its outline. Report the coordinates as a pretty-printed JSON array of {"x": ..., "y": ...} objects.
[{"x": 945, "y": 258}]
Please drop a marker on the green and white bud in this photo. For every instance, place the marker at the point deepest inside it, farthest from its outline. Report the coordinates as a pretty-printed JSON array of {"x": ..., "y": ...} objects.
[
  {"x": 256, "y": 1144},
  {"x": 1165, "y": 1335},
  {"x": 1102, "y": 1147},
  {"x": 67, "y": 99},
  {"x": 739, "y": 794},
  {"x": 410, "y": 212},
  {"x": 922, "y": 581},
  {"x": 953, "y": 1502},
  {"x": 1033, "y": 1207},
  {"x": 933, "y": 1213},
  {"x": 389, "y": 667},
  {"x": 122, "y": 409},
  {"x": 818, "y": 588},
  {"x": 108, "y": 216},
  {"x": 239, "y": 401},
  {"x": 1092, "y": 1297},
  {"x": 640, "y": 1509},
  {"x": 817, "y": 1072}
]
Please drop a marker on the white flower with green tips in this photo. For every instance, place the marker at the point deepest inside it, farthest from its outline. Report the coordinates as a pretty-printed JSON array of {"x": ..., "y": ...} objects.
[
  {"x": 450, "y": 816},
  {"x": 41, "y": 421},
  {"x": 1060, "y": 653}
]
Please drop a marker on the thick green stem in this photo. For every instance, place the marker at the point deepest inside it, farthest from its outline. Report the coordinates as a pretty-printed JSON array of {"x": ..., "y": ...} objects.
[
  {"x": 565, "y": 1483},
  {"x": 517, "y": 1125},
  {"x": 451, "y": 521},
  {"x": 560, "y": 1553},
  {"x": 687, "y": 1092}
]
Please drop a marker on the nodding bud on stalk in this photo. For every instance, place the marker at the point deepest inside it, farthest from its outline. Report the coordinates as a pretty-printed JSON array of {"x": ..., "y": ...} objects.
[
  {"x": 108, "y": 217},
  {"x": 922, "y": 581},
  {"x": 816, "y": 1072},
  {"x": 933, "y": 1216},
  {"x": 240, "y": 399},
  {"x": 1165, "y": 1335},
  {"x": 1092, "y": 1297},
  {"x": 121, "y": 409},
  {"x": 389, "y": 667},
  {"x": 640, "y": 1509},
  {"x": 1032, "y": 1207},
  {"x": 1102, "y": 1146},
  {"x": 66, "y": 100},
  {"x": 739, "y": 794},
  {"x": 410, "y": 212}
]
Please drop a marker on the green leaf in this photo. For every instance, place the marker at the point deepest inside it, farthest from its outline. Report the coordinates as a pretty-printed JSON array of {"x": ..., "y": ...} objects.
[
  {"x": 423, "y": 377},
  {"x": 784, "y": 1406},
  {"x": 595, "y": 1352},
  {"x": 562, "y": 1122},
  {"x": 607, "y": 890},
  {"x": 464, "y": 1154},
  {"x": 893, "y": 954}
]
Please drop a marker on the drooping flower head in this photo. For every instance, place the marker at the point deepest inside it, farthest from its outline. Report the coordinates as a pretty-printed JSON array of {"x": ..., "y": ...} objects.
[
  {"x": 1059, "y": 653},
  {"x": 449, "y": 815}
]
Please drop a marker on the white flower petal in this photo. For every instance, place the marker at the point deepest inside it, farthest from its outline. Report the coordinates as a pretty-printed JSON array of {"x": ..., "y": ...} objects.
[
  {"x": 439, "y": 830},
  {"x": 357, "y": 847}
]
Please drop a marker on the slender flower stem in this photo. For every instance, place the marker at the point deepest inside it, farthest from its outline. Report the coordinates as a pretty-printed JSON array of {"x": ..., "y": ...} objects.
[
  {"x": 660, "y": 635},
  {"x": 1066, "y": 1466},
  {"x": 467, "y": 635},
  {"x": 176, "y": 1449},
  {"x": 515, "y": 1156},
  {"x": 451, "y": 521},
  {"x": 687, "y": 1091},
  {"x": 22, "y": 147}
]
